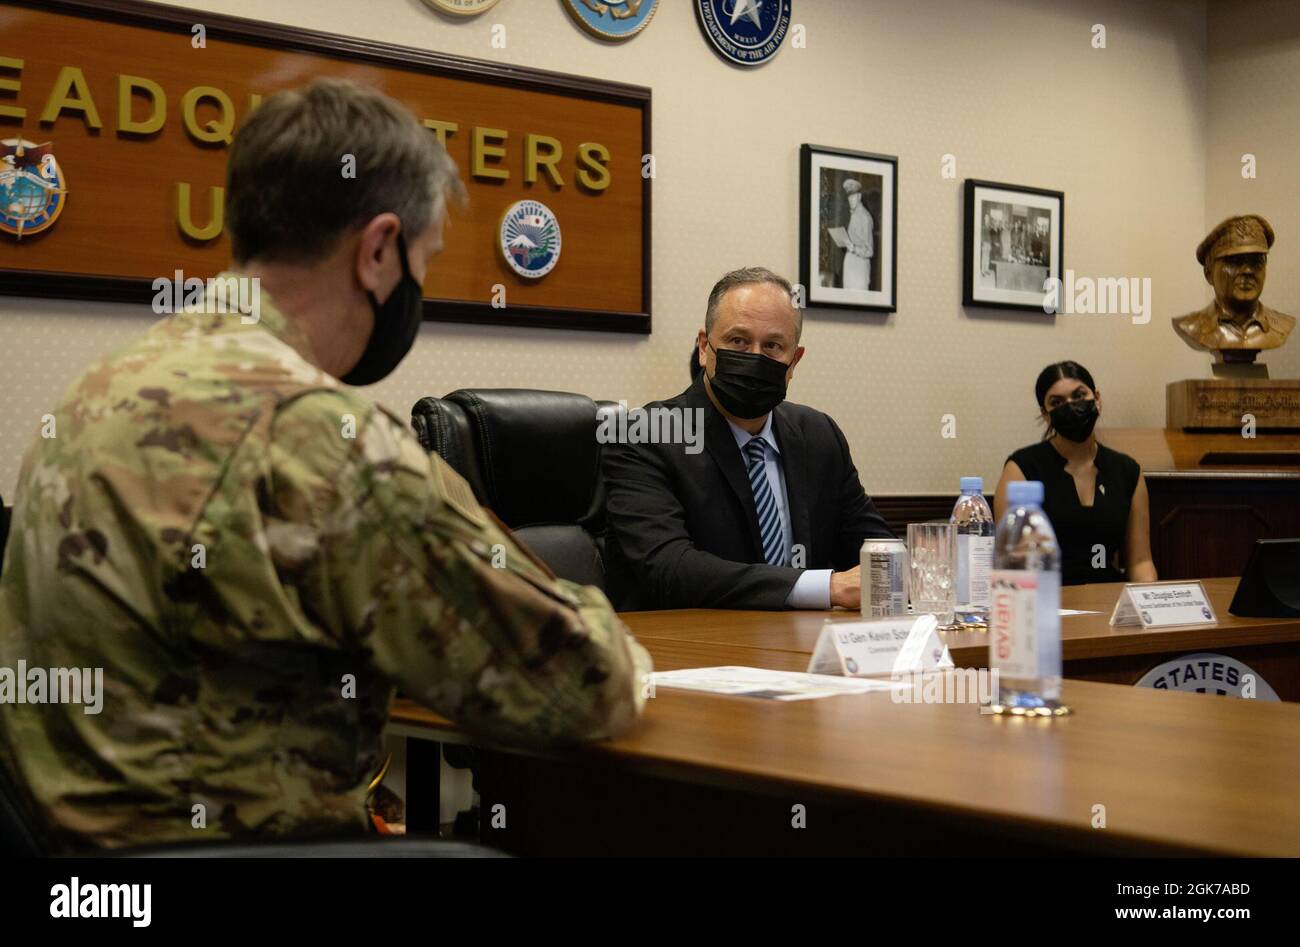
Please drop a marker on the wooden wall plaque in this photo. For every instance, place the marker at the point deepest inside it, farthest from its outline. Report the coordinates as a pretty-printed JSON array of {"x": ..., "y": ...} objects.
[{"x": 81, "y": 74}]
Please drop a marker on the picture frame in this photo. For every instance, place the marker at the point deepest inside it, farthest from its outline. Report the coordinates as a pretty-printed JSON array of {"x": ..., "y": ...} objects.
[
  {"x": 1013, "y": 242},
  {"x": 848, "y": 246}
]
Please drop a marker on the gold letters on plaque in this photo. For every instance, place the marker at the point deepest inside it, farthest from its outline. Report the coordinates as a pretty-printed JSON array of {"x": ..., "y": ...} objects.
[{"x": 210, "y": 119}]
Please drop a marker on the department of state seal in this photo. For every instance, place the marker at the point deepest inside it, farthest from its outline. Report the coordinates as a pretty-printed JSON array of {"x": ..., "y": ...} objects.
[
  {"x": 530, "y": 238},
  {"x": 747, "y": 32},
  {"x": 33, "y": 190}
]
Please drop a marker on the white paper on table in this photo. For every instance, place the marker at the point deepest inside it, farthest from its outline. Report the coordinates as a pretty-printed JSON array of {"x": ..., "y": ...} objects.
[
  {"x": 760, "y": 682},
  {"x": 1063, "y": 612}
]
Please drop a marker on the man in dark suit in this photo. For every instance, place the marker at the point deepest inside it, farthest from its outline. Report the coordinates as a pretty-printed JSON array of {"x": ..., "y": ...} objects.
[{"x": 770, "y": 513}]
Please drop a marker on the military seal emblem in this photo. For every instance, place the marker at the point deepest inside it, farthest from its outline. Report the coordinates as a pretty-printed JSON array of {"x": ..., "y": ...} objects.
[
  {"x": 612, "y": 19},
  {"x": 746, "y": 32},
  {"x": 530, "y": 238},
  {"x": 1205, "y": 673},
  {"x": 33, "y": 190},
  {"x": 461, "y": 7}
]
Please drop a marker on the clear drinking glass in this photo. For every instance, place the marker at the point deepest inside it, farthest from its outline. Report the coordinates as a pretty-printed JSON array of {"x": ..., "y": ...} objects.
[{"x": 932, "y": 552}]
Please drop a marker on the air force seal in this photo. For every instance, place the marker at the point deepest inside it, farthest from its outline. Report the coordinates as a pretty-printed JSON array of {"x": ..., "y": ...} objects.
[
  {"x": 747, "y": 32},
  {"x": 530, "y": 238},
  {"x": 32, "y": 187},
  {"x": 612, "y": 19}
]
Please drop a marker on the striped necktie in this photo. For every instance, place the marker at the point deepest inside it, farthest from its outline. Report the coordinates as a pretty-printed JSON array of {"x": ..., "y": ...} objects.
[{"x": 769, "y": 517}]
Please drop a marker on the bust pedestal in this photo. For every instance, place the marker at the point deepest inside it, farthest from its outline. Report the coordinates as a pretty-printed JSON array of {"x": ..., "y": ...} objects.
[
  {"x": 1213, "y": 494},
  {"x": 1210, "y": 404}
]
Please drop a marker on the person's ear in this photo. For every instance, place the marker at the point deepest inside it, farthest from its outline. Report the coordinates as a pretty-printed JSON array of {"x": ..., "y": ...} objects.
[
  {"x": 702, "y": 346},
  {"x": 377, "y": 266},
  {"x": 789, "y": 372}
]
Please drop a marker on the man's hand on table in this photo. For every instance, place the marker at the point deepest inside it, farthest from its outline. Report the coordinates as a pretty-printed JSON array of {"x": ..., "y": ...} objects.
[{"x": 846, "y": 588}]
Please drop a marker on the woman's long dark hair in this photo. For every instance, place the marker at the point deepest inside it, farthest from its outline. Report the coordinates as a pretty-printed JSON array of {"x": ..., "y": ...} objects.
[{"x": 1053, "y": 373}]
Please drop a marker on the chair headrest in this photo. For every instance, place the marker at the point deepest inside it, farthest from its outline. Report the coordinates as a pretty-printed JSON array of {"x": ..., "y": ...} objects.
[
  {"x": 443, "y": 428},
  {"x": 537, "y": 451}
]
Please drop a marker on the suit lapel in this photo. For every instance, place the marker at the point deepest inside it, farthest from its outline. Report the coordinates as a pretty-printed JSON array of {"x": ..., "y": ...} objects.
[
  {"x": 794, "y": 465},
  {"x": 721, "y": 445}
]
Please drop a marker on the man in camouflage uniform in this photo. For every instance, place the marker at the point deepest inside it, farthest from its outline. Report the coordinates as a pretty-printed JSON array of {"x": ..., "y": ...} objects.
[{"x": 256, "y": 555}]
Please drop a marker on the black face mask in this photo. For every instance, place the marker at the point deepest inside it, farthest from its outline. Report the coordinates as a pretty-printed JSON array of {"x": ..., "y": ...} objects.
[
  {"x": 747, "y": 385},
  {"x": 397, "y": 322},
  {"x": 1074, "y": 420}
]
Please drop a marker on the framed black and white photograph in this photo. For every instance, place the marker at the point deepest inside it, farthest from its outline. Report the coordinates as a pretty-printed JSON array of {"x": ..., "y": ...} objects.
[
  {"x": 1014, "y": 243},
  {"x": 848, "y": 228}
]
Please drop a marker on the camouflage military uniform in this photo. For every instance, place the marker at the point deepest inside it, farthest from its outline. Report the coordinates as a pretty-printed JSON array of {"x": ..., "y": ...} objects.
[{"x": 203, "y": 528}]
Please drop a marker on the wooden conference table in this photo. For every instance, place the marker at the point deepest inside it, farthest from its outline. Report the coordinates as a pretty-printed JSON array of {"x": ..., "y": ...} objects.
[
  {"x": 1172, "y": 773},
  {"x": 1092, "y": 650}
]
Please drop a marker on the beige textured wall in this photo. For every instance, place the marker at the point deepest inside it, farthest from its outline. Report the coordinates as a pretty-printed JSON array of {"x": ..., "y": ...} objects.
[
  {"x": 1012, "y": 88},
  {"x": 1254, "y": 108}
]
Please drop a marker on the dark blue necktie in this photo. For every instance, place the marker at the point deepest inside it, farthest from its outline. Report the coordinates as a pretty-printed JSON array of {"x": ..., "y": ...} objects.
[{"x": 769, "y": 517}]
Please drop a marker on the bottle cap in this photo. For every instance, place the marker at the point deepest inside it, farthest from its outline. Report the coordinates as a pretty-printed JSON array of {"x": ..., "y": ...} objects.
[
  {"x": 1022, "y": 492},
  {"x": 972, "y": 483}
]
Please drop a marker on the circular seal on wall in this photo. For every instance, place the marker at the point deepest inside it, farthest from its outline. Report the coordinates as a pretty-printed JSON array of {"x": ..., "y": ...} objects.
[
  {"x": 461, "y": 7},
  {"x": 612, "y": 19},
  {"x": 530, "y": 238},
  {"x": 33, "y": 190},
  {"x": 746, "y": 32},
  {"x": 1208, "y": 673}
]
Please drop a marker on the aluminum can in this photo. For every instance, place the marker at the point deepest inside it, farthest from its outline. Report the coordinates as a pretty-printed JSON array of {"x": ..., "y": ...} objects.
[{"x": 884, "y": 578}]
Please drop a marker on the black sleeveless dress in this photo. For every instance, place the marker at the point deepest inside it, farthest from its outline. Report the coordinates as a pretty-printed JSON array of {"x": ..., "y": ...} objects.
[{"x": 1080, "y": 529}]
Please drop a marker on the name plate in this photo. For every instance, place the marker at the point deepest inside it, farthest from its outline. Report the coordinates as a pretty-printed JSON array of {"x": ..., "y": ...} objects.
[
  {"x": 882, "y": 646},
  {"x": 1163, "y": 604},
  {"x": 1219, "y": 403}
]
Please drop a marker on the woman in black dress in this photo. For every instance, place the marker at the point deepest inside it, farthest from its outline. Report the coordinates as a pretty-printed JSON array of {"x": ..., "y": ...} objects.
[{"x": 1095, "y": 497}]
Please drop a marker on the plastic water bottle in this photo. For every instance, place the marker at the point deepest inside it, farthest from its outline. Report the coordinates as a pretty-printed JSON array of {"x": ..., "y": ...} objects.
[
  {"x": 1025, "y": 601},
  {"x": 974, "y": 526}
]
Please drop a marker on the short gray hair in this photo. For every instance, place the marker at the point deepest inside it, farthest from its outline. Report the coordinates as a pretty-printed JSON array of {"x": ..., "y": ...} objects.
[
  {"x": 287, "y": 199},
  {"x": 745, "y": 276}
]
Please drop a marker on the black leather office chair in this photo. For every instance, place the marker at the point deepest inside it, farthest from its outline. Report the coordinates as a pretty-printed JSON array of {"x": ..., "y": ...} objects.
[
  {"x": 5, "y": 516},
  {"x": 18, "y": 839},
  {"x": 443, "y": 428},
  {"x": 532, "y": 458},
  {"x": 378, "y": 847}
]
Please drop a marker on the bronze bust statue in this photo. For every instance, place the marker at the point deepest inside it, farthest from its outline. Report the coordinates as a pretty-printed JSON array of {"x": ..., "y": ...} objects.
[{"x": 1236, "y": 327}]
